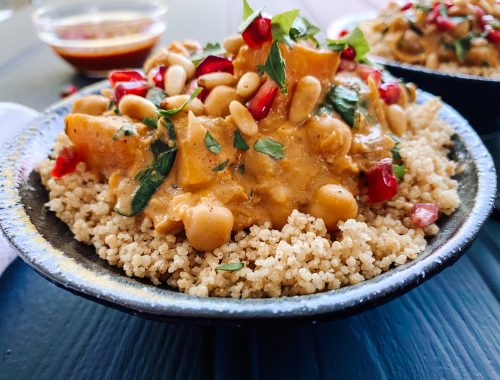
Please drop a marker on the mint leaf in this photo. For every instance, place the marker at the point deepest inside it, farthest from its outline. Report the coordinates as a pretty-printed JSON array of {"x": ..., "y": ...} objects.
[
  {"x": 239, "y": 142},
  {"x": 221, "y": 166},
  {"x": 209, "y": 49},
  {"x": 395, "y": 151},
  {"x": 356, "y": 39},
  {"x": 155, "y": 95},
  {"x": 270, "y": 147},
  {"x": 247, "y": 10},
  {"x": 127, "y": 129},
  {"x": 345, "y": 101},
  {"x": 303, "y": 29},
  {"x": 249, "y": 19},
  {"x": 462, "y": 45},
  {"x": 275, "y": 67},
  {"x": 230, "y": 267},
  {"x": 151, "y": 122},
  {"x": 399, "y": 172},
  {"x": 212, "y": 144},
  {"x": 177, "y": 110},
  {"x": 282, "y": 23}
]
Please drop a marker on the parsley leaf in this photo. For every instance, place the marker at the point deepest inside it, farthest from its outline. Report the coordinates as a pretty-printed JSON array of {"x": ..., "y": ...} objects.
[
  {"x": 177, "y": 110},
  {"x": 270, "y": 147},
  {"x": 151, "y": 122},
  {"x": 155, "y": 95},
  {"x": 239, "y": 142},
  {"x": 127, "y": 129},
  {"x": 399, "y": 172},
  {"x": 247, "y": 10},
  {"x": 230, "y": 267},
  {"x": 462, "y": 45},
  {"x": 209, "y": 49},
  {"x": 282, "y": 23},
  {"x": 303, "y": 29},
  {"x": 220, "y": 167},
  {"x": 395, "y": 151},
  {"x": 248, "y": 18},
  {"x": 275, "y": 67},
  {"x": 212, "y": 144},
  {"x": 345, "y": 101},
  {"x": 356, "y": 39}
]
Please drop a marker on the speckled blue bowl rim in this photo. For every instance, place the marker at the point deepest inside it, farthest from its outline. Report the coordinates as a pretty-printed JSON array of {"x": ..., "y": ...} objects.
[{"x": 156, "y": 302}]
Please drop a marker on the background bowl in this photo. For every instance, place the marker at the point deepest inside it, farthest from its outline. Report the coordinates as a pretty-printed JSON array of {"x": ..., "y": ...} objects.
[{"x": 47, "y": 245}]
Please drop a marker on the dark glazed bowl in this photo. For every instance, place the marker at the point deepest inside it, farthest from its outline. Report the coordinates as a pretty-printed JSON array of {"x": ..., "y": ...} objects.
[{"x": 47, "y": 245}]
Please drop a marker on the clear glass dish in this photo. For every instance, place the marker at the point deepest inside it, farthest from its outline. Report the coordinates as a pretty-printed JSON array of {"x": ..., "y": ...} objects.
[{"x": 98, "y": 36}]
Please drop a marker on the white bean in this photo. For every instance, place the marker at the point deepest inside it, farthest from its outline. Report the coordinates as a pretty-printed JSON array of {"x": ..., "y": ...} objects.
[
  {"x": 304, "y": 99},
  {"x": 175, "y": 80},
  {"x": 158, "y": 59},
  {"x": 248, "y": 84},
  {"x": 213, "y": 80},
  {"x": 243, "y": 118},
  {"x": 176, "y": 101},
  {"x": 396, "y": 117},
  {"x": 217, "y": 102},
  {"x": 91, "y": 105},
  {"x": 187, "y": 65},
  {"x": 136, "y": 107},
  {"x": 232, "y": 44}
]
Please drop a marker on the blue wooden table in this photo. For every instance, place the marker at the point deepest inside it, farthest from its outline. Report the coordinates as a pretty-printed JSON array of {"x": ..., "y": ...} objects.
[{"x": 448, "y": 328}]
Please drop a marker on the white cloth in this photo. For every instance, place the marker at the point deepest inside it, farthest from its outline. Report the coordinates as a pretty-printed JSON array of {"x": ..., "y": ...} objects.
[{"x": 12, "y": 118}]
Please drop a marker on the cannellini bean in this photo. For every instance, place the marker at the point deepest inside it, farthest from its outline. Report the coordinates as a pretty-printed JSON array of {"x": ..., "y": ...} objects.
[
  {"x": 136, "y": 107},
  {"x": 217, "y": 102},
  {"x": 333, "y": 203},
  {"x": 248, "y": 84},
  {"x": 208, "y": 226},
  {"x": 243, "y": 118},
  {"x": 232, "y": 44},
  {"x": 396, "y": 117},
  {"x": 176, "y": 101},
  {"x": 178, "y": 47},
  {"x": 175, "y": 80},
  {"x": 212, "y": 80},
  {"x": 187, "y": 65},
  {"x": 304, "y": 99},
  {"x": 91, "y": 105}
]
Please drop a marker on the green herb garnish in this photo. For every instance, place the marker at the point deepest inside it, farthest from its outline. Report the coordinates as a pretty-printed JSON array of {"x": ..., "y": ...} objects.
[
  {"x": 209, "y": 49},
  {"x": 151, "y": 122},
  {"x": 155, "y": 95},
  {"x": 275, "y": 67},
  {"x": 177, "y": 110},
  {"x": 270, "y": 147},
  {"x": 221, "y": 166},
  {"x": 303, "y": 29},
  {"x": 345, "y": 101},
  {"x": 356, "y": 39},
  {"x": 281, "y": 25},
  {"x": 239, "y": 142},
  {"x": 249, "y": 15},
  {"x": 247, "y": 10},
  {"x": 395, "y": 151},
  {"x": 212, "y": 144},
  {"x": 399, "y": 172},
  {"x": 462, "y": 46},
  {"x": 230, "y": 267},
  {"x": 127, "y": 129}
]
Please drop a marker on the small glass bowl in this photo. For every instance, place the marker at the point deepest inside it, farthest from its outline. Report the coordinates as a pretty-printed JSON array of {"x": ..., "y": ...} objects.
[{"x": 98, "y": 36}]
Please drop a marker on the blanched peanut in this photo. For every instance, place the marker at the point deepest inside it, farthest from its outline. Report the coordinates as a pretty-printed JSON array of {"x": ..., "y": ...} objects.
[
  {"x": 208, "y": 226},
  {"x": 187, "y": 65},
  {"x": 396, "y": 117},
  {"x": 232, "y": 44},
  {"x": 178, "y": 47},
  {"x": 212, "y": 80},
  {"x": 192, "y": 45},
  {"x": 217, "y": 102},
  {"x": 175, "y": 80},
  {"x": 333, "y": 203},
  {"x": 304, "y": 99},
  {"x": 136, "y": 107},
  {"x": 91, "y": 105},
  {"x": 243, "y": 118},
  {"x": 176, "y": 101},
  {"x": 248, "y": 84}
]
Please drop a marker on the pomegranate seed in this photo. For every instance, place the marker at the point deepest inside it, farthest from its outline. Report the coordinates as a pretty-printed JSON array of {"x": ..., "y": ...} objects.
[
  {"x": 130, "y": 88},
  {"x": 478, "y": 11},
  {"x": 66, "y": 162},
  {"x": 115, "y": 77},
  {"x": 346, "y": 65},
  {"x": 494, "y": 36},
  {"x": 431, "y": 17},
  {"x": 424, "y": 214},
  {"x": 406, "y": 7},
  {"x": 158, "y": 76},
  {"x": 444, "y": 23},
  {"x": 382, "y": 183},
  {"x": 258, "y": 32},
  {"x": 348, "y": 53},
  {"x": 260, "y": 105},
  {"x": 68, "y": 90},
  {"x": 214, "y": 64},
  {"x": 343, "y": 33},
  {"x": 365, "y": 72},
  {"x": 390, "y": 92}
]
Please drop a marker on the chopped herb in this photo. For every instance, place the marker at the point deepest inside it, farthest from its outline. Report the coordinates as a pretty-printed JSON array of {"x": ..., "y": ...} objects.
[
  {"x": 239, "y": 142},
  {"x": 395, "y": 151},
  {"x": 151, "y": 122},
  {"x": 155, "y": 95},
  {"x": 399, "y": 172},
  {"x": 177, "y": 110},
  {"x": 495, "y": 24},
  {"x": 462, "y": 45},
  {"x": 116, "y": 111},
  {"x": 423, "y": 7},
  {"x": 281, "y": 25},
  {"x": 442, "y": 10},
  {"x": 141, "y": 174},
  {"x": 209, "y": 49},
  {"x": 127, "y": 129},
  {"x": 356, "y": 39},
  {"x": 248, "y": 17},
  {"x": 230, "y": 267},
  {"x": 212, "y": 144},
  {"x": 270, "y": 147},
  {"x": 303, "y": 29},
  {"x": 345, "y": 101},
  {"x": 221, "y": 166},
  {"x": 247, "y": 10},
  {"x": 275, "y": 67},
  {"x": 169, "y": 125}
]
